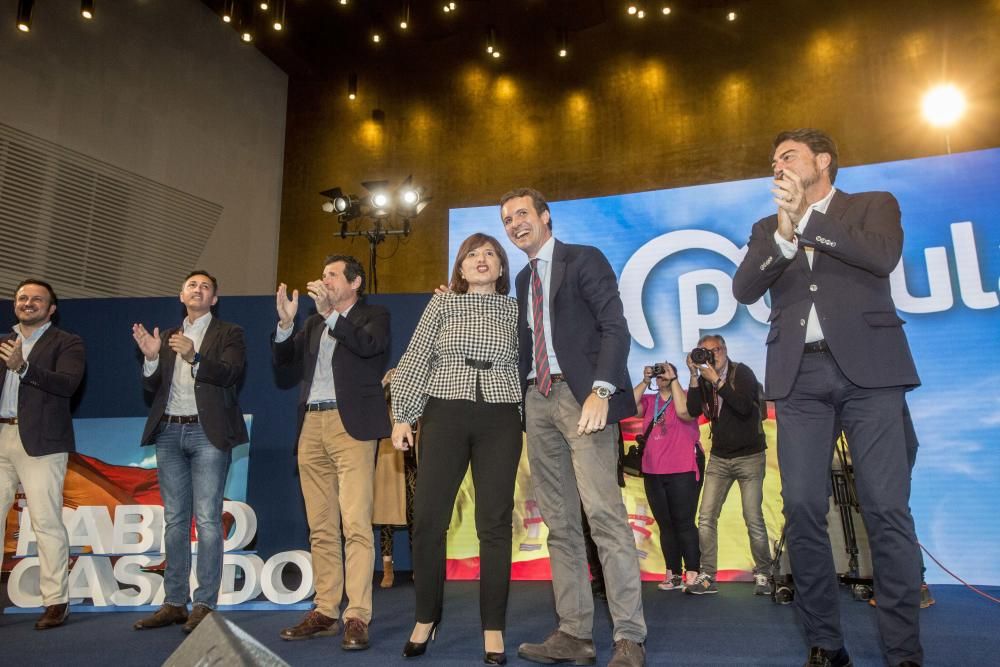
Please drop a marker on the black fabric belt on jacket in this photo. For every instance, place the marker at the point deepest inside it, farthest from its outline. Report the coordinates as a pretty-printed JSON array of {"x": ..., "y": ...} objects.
[
  {"x": 479, "y": 365},
  {"x": 8, "y": 420},
  {"x": 815, "y": 346},
  {"x": 180, "y": 419},
  {"x": 555, "y": 377},
  {"x": 321, "y": 406}
]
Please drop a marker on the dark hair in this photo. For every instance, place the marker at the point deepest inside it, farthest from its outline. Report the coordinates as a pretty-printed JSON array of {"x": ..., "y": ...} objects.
[
  {"x": 352, "y": 269},
  {"x": 460, "y": 285},
  {"x": 817, "y": 141},
  {"x": 719, "y": 339},
  {"x": 199, "y": 272},
  {"x": 41, "y": 283},
  {"x": 537, "y": 199}
]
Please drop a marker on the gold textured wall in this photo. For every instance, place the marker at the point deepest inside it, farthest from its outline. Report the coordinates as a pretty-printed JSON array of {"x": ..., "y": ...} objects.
[{"x": 626, "y": 113}]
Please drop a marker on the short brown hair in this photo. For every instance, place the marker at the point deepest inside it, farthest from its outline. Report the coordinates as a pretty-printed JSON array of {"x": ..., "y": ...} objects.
[
  {"x": 817, "y": 141},
  {"x": 460, "y": 285},
  {"x": 537, "y": 200}
]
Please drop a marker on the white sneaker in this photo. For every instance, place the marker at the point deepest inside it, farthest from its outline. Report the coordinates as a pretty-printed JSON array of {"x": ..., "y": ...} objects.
[
  {"x": 672, "y": 582},
  {"x": 761, "y": 584}
]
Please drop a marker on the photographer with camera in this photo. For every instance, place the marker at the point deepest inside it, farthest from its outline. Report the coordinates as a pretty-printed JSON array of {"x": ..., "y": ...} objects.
[
  {"x": 726, "y": 392},
  {"x": 670, "y": 471}
]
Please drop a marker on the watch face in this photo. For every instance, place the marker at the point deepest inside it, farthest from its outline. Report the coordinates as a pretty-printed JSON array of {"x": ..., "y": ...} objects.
[{"x": 602, "y": 392}]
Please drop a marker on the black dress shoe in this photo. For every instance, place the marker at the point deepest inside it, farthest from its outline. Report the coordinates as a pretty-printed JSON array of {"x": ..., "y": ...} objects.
[
  {"x": 416, "y": 649},
  {"x": 495, "y": 658},
  {"x": 821, "y": 657},
  {"x": 54, "y": 616}
]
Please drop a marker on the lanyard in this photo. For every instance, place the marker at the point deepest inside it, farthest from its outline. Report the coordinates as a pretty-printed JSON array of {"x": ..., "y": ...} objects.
[{"x": 657, "y": 410}]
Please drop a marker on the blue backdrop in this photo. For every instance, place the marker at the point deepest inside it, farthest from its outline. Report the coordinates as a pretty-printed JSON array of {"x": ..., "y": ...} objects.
[{"x": 675, "y": 252}]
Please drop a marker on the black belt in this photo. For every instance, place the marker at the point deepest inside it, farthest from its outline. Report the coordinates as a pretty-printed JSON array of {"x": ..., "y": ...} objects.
[
  {"x": 8, "y": 420},
  {"x": 815, "y": 346},
  {"x": 180, "y": 419},
  {"x": 479, "y": 365},
  {"x": 321, "y": 406},
  {"x": 555, "y": 377}
]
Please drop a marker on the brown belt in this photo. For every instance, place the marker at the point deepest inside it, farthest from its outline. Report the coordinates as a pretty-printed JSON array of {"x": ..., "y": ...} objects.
[
  {"x": 8, "y": 420},
  {"x": 180, "y": 419},
  {"x": 555, "y": 377}
]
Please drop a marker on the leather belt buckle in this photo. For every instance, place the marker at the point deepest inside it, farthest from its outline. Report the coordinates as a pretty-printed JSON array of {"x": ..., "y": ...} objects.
[
  {"x": 555, "y": 377},
  {"x": 180, "y": 419},
  {"x": 815, "y": 346}
]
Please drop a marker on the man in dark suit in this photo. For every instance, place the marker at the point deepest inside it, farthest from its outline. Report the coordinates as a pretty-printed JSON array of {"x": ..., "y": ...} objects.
[
  {"x": 193, "y": 372},
  {"x": 836, "y": 349},
  {"x": 342, "y": 351},
  {"x": 574, "y": 345},
  {"x": 40, "y": 369}
]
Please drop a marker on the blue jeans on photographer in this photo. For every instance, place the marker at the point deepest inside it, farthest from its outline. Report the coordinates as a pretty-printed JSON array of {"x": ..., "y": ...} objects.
[{"x": 192, "y": 475}]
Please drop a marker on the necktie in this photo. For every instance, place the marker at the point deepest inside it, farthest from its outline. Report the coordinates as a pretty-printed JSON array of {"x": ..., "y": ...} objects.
[{"x": 543, "y": 379}]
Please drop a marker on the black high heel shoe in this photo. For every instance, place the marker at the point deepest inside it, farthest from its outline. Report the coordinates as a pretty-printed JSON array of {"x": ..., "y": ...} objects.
[
  {"x": 491, "y": 658},
  {"x": 417, "y": 649}
]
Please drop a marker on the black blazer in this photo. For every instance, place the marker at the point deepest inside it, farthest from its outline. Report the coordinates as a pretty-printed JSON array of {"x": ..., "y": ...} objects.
[
  {"x": 55, "y": 369},
  {"x": 858, "y": 243},
  {"x": 359, "y": 362},
  {"x": 589, "y": 331},
  {"x": 223, "y": 361}
]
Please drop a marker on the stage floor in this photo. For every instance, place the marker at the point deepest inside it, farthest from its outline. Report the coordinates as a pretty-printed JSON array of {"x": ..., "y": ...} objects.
[{"x": 733, "y": 628}]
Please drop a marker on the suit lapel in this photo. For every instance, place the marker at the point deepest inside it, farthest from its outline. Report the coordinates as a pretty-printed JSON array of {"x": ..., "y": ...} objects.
[
  {"x": 558, "y": 269},
  {"x": 167, "y": 356},
  {"x": 211, "y": 335},
  {"x": 3, "y": 367}
]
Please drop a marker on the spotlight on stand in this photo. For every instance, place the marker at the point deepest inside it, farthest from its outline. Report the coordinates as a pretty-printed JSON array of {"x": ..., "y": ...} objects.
[{"x": 387, "y": 212}]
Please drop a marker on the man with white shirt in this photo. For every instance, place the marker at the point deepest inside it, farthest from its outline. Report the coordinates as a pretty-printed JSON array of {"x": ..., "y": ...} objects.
[
  {"x": 836, "y": 349},
  {"x": 193, "y": 372},
  {"x": 342, "y": 351},
  {"x": 40, "y": 369}
]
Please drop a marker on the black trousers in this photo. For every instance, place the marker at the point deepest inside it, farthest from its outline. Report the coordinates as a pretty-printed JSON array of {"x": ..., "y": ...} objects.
[
  {"x": 454, "y": 435},
  {"x": 674, "y": 501},
  {"x": 873, "y": 422}
]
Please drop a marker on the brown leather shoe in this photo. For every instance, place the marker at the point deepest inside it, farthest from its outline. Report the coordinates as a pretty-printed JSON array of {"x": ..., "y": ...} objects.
[
  {"x": 198, "y": 614},
  {"x": 314, "y": 624},
  {"x": 54, "y": 616},
  {"x": 560, "y": 647},
  {"x": 628, "y": 654},
  {"x": 167, "y": 614},
  {"x": 355, "y": 635}
]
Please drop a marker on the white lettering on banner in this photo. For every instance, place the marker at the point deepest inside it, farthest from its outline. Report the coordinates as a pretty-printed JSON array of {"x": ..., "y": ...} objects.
[
  {"x": 136, "y": 534},
  {"x": 693, "y": 321}
]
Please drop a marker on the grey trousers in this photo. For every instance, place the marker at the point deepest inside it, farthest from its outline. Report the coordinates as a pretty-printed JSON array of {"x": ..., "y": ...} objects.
[
  {"x": 566, "y": 470},
  {"x": 720, "y": 474}
]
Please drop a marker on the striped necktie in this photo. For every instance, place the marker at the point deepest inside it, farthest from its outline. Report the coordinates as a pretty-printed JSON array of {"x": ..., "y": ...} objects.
[{"x": 543, "y": 379}]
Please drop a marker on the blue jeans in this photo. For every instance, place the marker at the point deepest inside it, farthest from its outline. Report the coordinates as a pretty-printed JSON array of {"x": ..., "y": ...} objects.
[{"x": 192, "y": 475}]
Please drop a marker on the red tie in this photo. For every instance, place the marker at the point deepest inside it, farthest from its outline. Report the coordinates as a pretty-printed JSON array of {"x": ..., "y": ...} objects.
[{"x": 543, "y": 379}]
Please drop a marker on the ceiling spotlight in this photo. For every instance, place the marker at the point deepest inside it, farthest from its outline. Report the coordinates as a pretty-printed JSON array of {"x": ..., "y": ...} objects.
[
  {"x": 632, "y": 9},
  {"x": 24, "y": 15},
  {"x": 563, "y": 43},
  {"x": 731, "y": 16},
  {"x": 491, "y": 40},
  {"x": 264, "y": 6},
  {"x": 943, "y": 105},
  {"x": 228, "y": 10},
  {"x": 343, "y": 2},
  {"x": 376, "y": 37},
  {"x": 496, "y": 53},
  {"x": 87, "y": 9},
  {"x": 404, "y": 20},
  {"x": 641, "y": 14},
  {"x": 452, "y": 6},
  {"x": 665, "y": 10},
  {"x": 446, "y": 9},
  {"x": 352, "y": 86}
]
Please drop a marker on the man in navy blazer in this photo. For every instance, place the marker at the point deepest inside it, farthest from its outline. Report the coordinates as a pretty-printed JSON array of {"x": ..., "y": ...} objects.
[
  {"x": 836, "y": 349},
  {"x": 574, "y": 343},
  {"x": 194, "y": 372},
  {"x": 41, "y": 367},
  {"x": 342, "y": 351}
]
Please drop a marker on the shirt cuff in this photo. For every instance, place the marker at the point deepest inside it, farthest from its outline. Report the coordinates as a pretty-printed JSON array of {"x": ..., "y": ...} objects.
[
  {"x": 605, "y": 385},
  {"x": 787, "y": 248},
  {"x": 281, "y": 335},
  {"x": 149, "y": 367}
]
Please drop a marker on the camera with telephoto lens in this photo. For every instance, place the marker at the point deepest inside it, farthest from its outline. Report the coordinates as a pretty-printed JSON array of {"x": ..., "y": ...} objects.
[{"x": 700, "y": 355}]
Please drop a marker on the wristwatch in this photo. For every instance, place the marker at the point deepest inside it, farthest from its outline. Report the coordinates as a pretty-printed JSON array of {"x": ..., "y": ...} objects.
[
  {"x": 602, "y": 392},
  {"x": 196, "y": 359}
]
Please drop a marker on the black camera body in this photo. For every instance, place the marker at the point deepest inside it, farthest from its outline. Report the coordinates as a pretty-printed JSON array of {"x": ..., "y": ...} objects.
[
  {"x": 700, "y": 355},
  {"x": 659, "y": 369}
]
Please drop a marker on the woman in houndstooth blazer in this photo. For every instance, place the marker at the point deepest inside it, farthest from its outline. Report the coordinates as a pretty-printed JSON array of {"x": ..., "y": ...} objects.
[{"x": 459, "y": 374}]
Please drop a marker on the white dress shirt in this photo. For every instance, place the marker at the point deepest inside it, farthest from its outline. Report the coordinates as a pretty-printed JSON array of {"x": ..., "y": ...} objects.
[
  {"x": 814, "y": 331},
  {"x": 181, "y": 401},
  {"x": 12, "y": 381}
]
